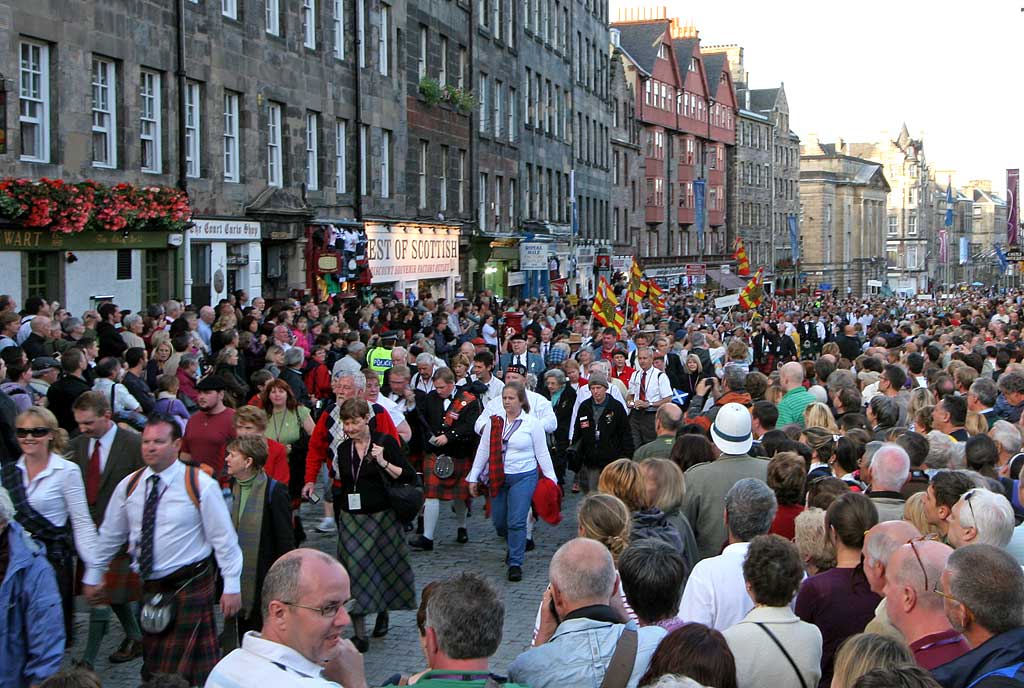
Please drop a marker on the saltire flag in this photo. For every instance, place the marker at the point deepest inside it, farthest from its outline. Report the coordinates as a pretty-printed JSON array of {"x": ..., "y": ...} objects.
[
  {"x": 740, "y": 256},
  {"x": 949, "y": 202},
  {"x": 1003, "y": 262},
  {"x": 637, "y": 286},
  {"x": 606, "y": 307},
  {"x": 752, "y": 294},
  {"x": 679, "y": 396}
]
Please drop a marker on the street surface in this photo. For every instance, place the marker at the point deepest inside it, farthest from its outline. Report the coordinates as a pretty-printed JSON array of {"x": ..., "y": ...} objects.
[{"x": 400, "y": 652}]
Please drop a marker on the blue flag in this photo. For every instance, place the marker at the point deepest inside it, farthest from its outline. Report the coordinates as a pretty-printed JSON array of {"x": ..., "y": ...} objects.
[
  {"x": 679, "y": 396},
  {"x": 698, "y": 206},
  {"x": 794, "y": 240},
  {"x": 949, "y": 203},
  {"x": 1003, "y": 262}
]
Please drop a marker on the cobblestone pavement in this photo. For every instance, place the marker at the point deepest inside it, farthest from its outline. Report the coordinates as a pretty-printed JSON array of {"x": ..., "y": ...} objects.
[{"x": 399, "y": 652}]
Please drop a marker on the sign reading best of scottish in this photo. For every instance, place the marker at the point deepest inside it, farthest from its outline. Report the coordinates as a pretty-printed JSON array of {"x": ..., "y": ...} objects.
[{"x": 398, "y": 252}]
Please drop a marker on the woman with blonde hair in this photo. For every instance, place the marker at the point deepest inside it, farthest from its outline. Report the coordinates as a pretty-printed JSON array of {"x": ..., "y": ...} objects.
[
  {"x": 624, "y": 479},
  {"x": 976, "y": 424},
  {"x": 914, "y": 511},
  {"x": 50, "y": 499},
  {"x": 818, "y": 414},
  {"x": 816, "y": 550},
  {"x": 865, "y": 652},
  {"x": 666, "y": 489},
  {"x": 920, "y": 397},
  {"x": 693, "y": 373}
]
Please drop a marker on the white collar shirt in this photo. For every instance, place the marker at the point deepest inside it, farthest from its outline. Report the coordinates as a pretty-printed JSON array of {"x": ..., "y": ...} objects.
[
  {"x": 397, "y": 413},
  {"x": 656, "y": 385},
  {"x": 716, "y": 594},
  {"x": 106, "y": 442},
  {"x": 540, "y": 408},
  {"x": 526, "y": 448},
  {"x": 58, "y": 493},
  {"x": 184, "y": 534},
  {"x": 261, "y": 662}
]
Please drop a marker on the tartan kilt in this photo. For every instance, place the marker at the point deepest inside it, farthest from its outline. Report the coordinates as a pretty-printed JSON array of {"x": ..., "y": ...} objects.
[
  {"x": 767, "y": 366},
  {"x": 454, "y": 487},
  {"x": 189, "y": 645},
  {"x": 372, "y": 548}
]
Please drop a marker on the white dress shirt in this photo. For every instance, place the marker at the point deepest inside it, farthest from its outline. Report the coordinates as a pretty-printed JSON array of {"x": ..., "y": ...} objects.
[
  {"x": 540, "y": 408},
  {"x": 657, "y": 385},
  {"x": 124, "y": 402},
  {"x": 716, "y": 593},
  {"x": 262, "y": 662},
  {"x": 183, "y": 535},
  {"x": 106, "y": 442},
  {"x": 583, "y": 393},
  {"x": 397, "y": 414},
  {"x": 527, "y": 447},
  {"x": 58, "y": 493},
  {"x": 494, "y": 387}
]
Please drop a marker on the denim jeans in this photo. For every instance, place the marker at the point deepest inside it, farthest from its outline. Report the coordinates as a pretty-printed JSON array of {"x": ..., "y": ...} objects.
[{"x": 509, "y": 511}]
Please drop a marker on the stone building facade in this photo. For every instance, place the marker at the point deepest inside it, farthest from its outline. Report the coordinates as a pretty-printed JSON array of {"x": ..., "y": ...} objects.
[
  {"x": 627, "y": 163},
  {"x": 750, "y": 169},
  {"x": 842, "y": 230}
]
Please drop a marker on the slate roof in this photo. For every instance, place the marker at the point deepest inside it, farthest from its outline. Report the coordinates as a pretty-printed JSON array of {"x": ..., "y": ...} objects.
[
  {"x": 763, "y": 99},
  {"x": 684, "y": 49},
  {"x": 714, "y": 64},
  {"x": 640, "y": 41}
]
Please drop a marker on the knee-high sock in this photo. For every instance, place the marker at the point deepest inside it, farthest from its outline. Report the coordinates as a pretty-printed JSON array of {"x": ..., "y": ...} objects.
[
  {"x": 460, "y": 513},
  {"x": 431, "y": 511},
  {"x": 99, "y": 622},
  {"x": 126, "y": 614}
]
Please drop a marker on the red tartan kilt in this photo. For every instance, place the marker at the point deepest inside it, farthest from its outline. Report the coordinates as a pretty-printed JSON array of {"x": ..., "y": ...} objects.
[
  {"x": 767, "y": 366},
  {"x": 120, "y": 584},
  {"x": 189, "y": 646},
  {"x": 454, "y": 487}
]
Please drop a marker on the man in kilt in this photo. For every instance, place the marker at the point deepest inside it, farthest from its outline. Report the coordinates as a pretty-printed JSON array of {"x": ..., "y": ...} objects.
[
  {"x": 448, "y": 415},
  {"x": 173, "y": 517},
  {"x": 107, "y": 454}
]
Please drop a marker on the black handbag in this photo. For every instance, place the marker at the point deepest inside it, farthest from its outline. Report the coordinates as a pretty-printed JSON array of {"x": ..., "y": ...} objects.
[
  {"x": 297, "y": 461},
  {"x": 406, "y": 498}
]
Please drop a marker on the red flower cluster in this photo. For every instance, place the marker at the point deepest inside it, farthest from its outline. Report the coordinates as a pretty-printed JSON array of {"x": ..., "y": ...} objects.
[{"x": 69, "y": 208}]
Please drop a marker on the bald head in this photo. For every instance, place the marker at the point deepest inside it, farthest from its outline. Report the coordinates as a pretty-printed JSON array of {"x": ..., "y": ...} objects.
[
  {"x": 879, "y": 544},
  {"x": 583, "y": 573},
  {"x": 40, "y": 326},
  {"x": 293, "y": 572},
  {"x": 791, "y": 375},
  {"x": 669, "y": 419},
  {"x": 905, "y": 571},
  {"x": 890, "y": 468}
]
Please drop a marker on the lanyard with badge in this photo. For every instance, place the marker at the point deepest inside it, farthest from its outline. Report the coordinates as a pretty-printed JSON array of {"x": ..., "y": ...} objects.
[{"x": 355, "y": 501}]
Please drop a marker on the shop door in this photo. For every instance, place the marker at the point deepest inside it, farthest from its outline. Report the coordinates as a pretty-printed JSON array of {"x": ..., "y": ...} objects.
[
  {"x": 42, "y": 274},
  {"x": 158, "y": 276},
  {"x": 201, "y": 274}
]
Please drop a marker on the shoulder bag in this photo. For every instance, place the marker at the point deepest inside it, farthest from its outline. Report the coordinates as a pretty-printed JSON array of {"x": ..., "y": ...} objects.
[
  {"x": 800, "y": 676},
  {"x": 620, "y": 668},
  {"x": 406, "y": 498}
]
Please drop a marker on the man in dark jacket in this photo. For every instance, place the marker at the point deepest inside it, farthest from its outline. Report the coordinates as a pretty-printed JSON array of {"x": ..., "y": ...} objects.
[
  {"x": 135, "y": 378},
  {"x": 849, "y": 345},
  {"x": 110, "y": 340},
  {"x": 291, "y": 373},
  {"x": 601, "y": 434},
  {"x": 70, "y": 386},
  {"x": 983, "y": 591}
]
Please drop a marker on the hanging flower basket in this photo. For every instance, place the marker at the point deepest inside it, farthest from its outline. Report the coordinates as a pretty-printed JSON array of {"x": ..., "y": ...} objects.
[{"x": 68, "y": 208}]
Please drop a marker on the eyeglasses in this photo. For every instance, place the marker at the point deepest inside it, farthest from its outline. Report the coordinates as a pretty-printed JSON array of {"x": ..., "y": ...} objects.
[
  {"x": 327, "y": 611},
  {"x": 967, "y": 499},
  {"x": 913, "y": 547},
  {"x": 938, "y": 591},
  {"x": 34, "y": 432}
]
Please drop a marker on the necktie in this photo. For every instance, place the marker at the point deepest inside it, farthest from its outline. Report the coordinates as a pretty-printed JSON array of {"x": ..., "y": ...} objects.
[
  {"x": 149, "y": 527},
  {"x": 92, "y": 475},
  {"x": 643, "y": 386}
]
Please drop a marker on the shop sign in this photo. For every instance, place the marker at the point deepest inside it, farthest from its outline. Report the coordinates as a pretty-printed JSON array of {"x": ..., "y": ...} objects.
[
  {"x": 42, "y": 240},
  {"x": 516, "y": 279},
  {"x": 585, "y": 256},
  {"x": 533, "y": 256},
  {"x": 225, "y": 230},
  {"x": 621, "y": 263},
  {"x": 406, "y": 253}
]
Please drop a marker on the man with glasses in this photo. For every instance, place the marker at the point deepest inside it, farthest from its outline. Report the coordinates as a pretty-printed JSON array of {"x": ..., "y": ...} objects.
[
  {"x": 879, "y": 544},
  {"x": 305, "y": 596},
  {"x": 982, "y": 589},
  {"x": 915, "y": 609},
  {"x": 981, "y": 516}
]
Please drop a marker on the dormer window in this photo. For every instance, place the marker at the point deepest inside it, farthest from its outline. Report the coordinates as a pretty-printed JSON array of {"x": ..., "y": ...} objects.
[
  {"x": 693, "y": 64},
  {"x": 663, "y": 51}
]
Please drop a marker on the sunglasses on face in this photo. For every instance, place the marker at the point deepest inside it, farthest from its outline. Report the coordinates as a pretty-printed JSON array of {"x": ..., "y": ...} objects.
[{"x": 34, "y": 432}]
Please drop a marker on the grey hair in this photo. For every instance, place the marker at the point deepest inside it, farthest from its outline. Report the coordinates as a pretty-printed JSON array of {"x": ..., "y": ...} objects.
[
  {"x": 841, "y": 378},
  {"x": 6, "y": 507},
  {"x": 187, "y": 360},
  {"x": 940, "y": 450},
  {"x": 750, "y": 506},
  {"x": 985, "y": 390},
  {"x": 988, "y": 513},
  {"x": 880, "y": 546},
  {"x": 400, "y": 349},
  {"x": 130, "y": 320},
  {"x": 579, "y": 581},
  {"x": 426, "y": 358},
  {"x": 70, "y": 324},
  {"x": 281, "y": 583},
  {"x": 890, "y": 468},
  {"x": 886, "y": 410},
  {"x": 557, "y": 374},
  {"x": 467, "y": 614},
  {"x": 356, "y": 346},
  {"x": 990, "y": 583},
  {"x": 561, "y": 346},
  {"x": 294, "y": 356},
  {"x": 601, "y": 365},
  {"x": 358, "y": 380},
  {"x": 697, "y": 339},
  {"x": 1006, "y": 435},
  {"x": 735, "y": 378}
]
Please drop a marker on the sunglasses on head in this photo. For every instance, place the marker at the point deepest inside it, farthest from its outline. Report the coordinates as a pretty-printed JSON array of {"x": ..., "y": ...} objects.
[{"x": 34, "y": 432}]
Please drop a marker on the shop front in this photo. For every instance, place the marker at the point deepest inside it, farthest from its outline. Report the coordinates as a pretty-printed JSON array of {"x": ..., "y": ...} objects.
[
  {"x": 84, "y": 269},
  {"x": 493, "y": 265},
  {"x": 420, "y": 259},
  {"x": 225, "y": 255}
]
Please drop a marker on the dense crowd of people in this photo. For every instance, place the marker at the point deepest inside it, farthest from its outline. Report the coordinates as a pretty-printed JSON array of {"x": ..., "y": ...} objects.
[{"x": 820, "y": 492}]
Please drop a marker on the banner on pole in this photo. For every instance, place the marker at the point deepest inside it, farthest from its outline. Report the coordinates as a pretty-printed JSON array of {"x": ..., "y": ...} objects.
[
  {"x": 1012, "y": 206},
  {"x": 794, "y": 239},
  {"x": 698, "y": 204}
]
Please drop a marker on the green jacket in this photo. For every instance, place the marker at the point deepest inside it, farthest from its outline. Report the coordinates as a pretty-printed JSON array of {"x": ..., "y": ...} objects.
[
  {"x": 659, "y": 448},
  {"x": 706, "y": 487},
  {"x": 462, "y": 679},
  {"x": 792, "y": 405}
]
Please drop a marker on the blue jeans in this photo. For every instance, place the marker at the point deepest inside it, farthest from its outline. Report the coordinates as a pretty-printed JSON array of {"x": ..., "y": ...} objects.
[{"x": 509, "y": 511}]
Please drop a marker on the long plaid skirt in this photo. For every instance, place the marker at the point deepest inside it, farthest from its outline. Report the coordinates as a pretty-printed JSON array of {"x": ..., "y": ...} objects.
[
  {"x": 189, "y": 645},
  {"x": 372, "y": 548},
  {"x": 452, "y": 488}
]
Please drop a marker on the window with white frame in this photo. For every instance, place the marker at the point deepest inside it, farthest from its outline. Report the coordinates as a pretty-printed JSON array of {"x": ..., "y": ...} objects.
[
  {"x": 481, "y": 12},
  {"x": 309, "y": 23},
  {"x": 383, "y": 41},
  {"x": 424, "y": 149},
  {"x": 104, "y": 113},
  {"x": 496, "y": 19},
  {"x": 273, "y": 17},
  {"x": 229, "y": 8},
  {"x": 510, "y": 18},
  {"x": 34, "y": 101},
  {"x": 894, "y": 224},
  {"x": 484, "y": 104},
  {"x": 512, "y": 122},
  {"x": 231, "y": 161},
  {"x": 421, "y": 63},
  {"x": 462, "y": 181},
  {"x": 496, "y": 206},
  {"x": 312, "y": 169},
  {"x": 364, "y": 160},
  {"x": 442, "y": 72},
  {"x": 149, "y": 122},
  {"x": 911, "y": 224},
  {"x": 192, "y": 124},
  {"x": 528, "y": 98},
  {"x": 512, "y": 203},
  {"x": 460, "y": 80},
  {"x": 911, "y": 257},
  {"x": 338, "y": 26},
  {"x": 499, "y": 108},
  {"x": 340, "y": 149},
  {"x": 481, "y": 214},
  {"x": 275, "y": 176},
  {"x": 361, "y": 30},
  {"x": 385, "y": 163},
  {"x": 443, "y": 197}
]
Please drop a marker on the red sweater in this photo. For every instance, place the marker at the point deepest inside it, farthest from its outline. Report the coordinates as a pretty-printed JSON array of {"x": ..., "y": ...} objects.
[{"x": 320, "y": 440}]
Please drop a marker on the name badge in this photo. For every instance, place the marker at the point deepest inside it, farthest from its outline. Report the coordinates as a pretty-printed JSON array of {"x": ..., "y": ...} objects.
[{"x": 355, "y": 502}]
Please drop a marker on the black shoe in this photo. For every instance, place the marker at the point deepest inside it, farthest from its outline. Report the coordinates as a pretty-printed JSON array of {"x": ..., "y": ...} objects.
[
  {"x": 361, "y": 644},
  {"x": 380, "y": 629},
  {"x": 422, "y": 543},
  {"x": 530, "y": 546},
  {"x": 419, "y": 525},
  {"x": 515, "y": 574},
  {"x": 463, "y": 536},
  {"x": 129, "y": 650}
]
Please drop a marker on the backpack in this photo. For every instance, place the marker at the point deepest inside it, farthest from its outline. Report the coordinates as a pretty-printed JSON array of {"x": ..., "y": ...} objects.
[{"x": 191, "y": 484}]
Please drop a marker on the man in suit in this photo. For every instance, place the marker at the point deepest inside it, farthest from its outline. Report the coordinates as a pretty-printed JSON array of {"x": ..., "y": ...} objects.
[
  {"x": 107, "y": 454},
  {"x": 519, "y": 356}
]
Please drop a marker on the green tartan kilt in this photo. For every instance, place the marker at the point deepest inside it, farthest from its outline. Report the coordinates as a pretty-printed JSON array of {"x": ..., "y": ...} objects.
[{"x": 372, "y": 549}]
